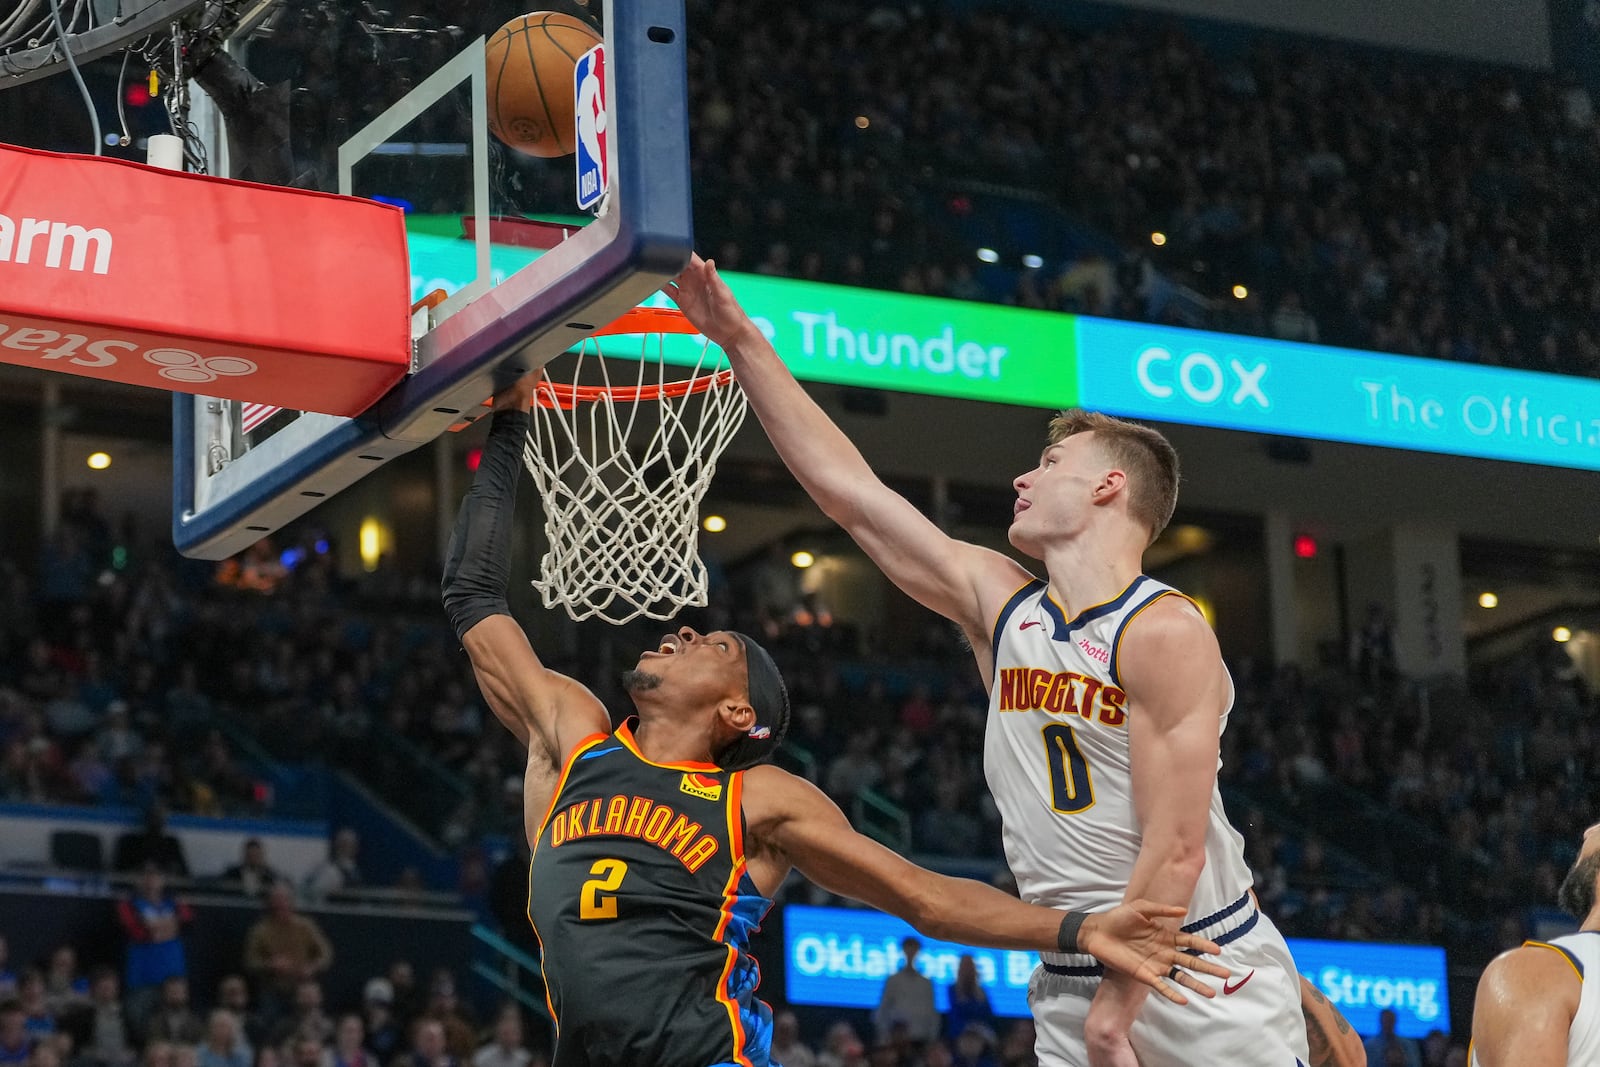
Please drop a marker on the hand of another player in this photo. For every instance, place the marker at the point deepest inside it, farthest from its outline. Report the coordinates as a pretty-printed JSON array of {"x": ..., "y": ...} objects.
[
  {"x": 518, "y": 395},
  {"x": 708, "y": 303},
  {"x": 1142, "y": 940}
]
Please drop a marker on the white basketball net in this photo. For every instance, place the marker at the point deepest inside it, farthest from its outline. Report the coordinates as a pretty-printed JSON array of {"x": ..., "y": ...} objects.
[{"x": 621, "y": 482}]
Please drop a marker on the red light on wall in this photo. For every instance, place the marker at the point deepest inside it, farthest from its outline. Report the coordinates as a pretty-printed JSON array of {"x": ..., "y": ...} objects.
[
  {"x": 474, "y": 457},
  {"x": 137, "y": 94},
  {"x": 1305, "y": 546}
]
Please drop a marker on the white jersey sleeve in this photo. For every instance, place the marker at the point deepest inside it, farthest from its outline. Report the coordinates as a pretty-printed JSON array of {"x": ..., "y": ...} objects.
[{"x": 1582, "y": 951}]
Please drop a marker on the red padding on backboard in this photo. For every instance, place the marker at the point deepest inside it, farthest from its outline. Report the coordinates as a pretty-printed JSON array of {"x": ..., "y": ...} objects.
[{"x": 129, "y": 273}]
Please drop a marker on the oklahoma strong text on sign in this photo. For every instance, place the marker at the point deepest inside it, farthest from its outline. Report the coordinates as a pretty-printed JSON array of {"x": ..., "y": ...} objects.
[{"x": 118, "y": 271}]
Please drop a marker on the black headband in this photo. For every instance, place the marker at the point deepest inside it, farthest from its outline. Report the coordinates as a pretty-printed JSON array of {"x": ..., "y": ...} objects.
[{"x": 770, "y": 701}]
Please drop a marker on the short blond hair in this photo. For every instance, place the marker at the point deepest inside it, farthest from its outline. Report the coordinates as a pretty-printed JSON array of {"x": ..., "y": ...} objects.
[{"x": 1148, "y": 459}]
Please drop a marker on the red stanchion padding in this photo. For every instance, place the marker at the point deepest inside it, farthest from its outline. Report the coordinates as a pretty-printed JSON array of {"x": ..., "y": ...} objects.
[{"x": 128, "y": 273}]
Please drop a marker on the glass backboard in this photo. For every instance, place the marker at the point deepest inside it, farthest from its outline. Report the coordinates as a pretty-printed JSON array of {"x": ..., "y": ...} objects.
[{"x": 416, "y": 135}]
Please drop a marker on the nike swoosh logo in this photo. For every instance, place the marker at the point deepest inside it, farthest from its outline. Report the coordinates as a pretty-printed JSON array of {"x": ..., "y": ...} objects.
[
  {"x": 1230, "y": 987},
  {"x": 1030, "y": 622},
  {"x": 600, "y": 752}
]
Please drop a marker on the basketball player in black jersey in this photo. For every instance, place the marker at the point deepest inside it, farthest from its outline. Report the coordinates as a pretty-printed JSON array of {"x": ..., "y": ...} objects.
[{"x": 657, "y": 845}]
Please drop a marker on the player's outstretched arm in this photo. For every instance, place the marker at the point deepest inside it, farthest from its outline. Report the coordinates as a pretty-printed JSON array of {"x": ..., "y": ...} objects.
[
  {"x": 1169, "y": 665},
  {"x": 939, "y": 572},
  {"x": 548, "y": 712},
  {"x": 1526, "y": 1001},
  {"x": 1333, "y": 1042},
  {"x": 792, "y": 817}
]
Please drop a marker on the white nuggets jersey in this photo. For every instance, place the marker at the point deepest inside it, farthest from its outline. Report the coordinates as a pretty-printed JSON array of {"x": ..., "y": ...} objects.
[
  {"x": 1582, "y": 950},
  {"x": 1056, "y": 756}
]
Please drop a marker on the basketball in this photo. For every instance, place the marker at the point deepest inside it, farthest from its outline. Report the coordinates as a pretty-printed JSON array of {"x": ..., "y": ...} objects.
[{"x": 530, "y": 62}]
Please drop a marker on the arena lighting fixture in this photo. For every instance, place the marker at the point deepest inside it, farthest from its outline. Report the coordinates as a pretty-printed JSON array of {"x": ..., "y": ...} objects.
[
  {"x": 802, "y": 559},
  {"x": 862, "y": 122},
  {"x": 714, "y": 523},
  {"x": 988, "y": 255},
  {"x": 98, "y": 461},
  {"x": 1158, "y": 238},
  {"x": 1032, "y": 262},
  {"x": 370, "y": 542},
  {"x": 1561, "y": 634},
  {"x": 1240, "y": 292},
  {"x": 1488, "y": 600}
]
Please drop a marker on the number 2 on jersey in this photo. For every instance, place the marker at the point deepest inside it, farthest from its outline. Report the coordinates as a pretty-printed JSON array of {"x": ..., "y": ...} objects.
[
  {"x": 1071, "y": 788},
  {"x": 591, "y": 905}
]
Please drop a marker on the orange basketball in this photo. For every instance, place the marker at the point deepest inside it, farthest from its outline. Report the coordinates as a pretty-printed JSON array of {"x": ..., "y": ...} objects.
[{"x": 531, "y": 97}]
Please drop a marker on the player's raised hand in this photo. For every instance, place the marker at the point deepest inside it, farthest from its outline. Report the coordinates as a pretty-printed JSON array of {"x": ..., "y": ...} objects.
[
  {"x": 708, "y": 303},
  {"x": 518, "y": 395},
  {"x": 1141, "y": 939}
]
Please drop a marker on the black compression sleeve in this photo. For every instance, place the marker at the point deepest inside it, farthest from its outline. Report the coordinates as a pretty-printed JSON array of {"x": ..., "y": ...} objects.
[{"x": 478, "y": 567}]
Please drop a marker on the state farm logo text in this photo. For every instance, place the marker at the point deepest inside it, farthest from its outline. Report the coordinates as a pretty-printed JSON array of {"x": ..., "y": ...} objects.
[
  {"x": 64, "y": 245},
  {"x": 173, "y": 364}
]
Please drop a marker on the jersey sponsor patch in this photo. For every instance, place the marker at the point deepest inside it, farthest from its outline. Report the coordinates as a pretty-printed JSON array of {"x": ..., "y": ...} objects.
[
  {"x": 701, "y": 785},
  {"x": 1230, "y": 987},
  {"x": 1030, "y": 622}
]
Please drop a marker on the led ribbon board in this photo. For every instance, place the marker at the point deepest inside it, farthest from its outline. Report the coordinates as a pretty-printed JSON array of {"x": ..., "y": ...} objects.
[
  {"x": 972, "y": 351},
  {"x": 839, "y": 957},
  {"x": 1338, "y": 394}
]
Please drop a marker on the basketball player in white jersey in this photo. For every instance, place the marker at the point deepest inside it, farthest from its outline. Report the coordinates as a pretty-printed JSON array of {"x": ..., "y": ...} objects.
[
  {"x": 1539, "y": 1005},
  {"x": 1083, "y": 670}
]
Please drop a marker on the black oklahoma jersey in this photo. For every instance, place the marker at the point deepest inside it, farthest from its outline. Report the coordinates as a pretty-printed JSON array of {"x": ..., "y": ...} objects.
[{"x": 643, "y": 907}]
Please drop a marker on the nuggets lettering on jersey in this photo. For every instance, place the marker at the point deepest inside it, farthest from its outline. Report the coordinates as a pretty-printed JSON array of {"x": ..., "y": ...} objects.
[
  {"x": 1057, "y": 757},
  {"x": 1060, "y": 693}
]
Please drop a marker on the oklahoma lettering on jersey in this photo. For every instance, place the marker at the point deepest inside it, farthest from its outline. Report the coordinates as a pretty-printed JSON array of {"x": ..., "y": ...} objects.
[{"x": 1056, "y": 756}]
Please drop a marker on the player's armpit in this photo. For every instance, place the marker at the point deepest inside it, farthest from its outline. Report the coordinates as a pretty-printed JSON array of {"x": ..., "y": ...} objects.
[
  {"x": 536, "y": 704},
  {"x": 1526, "y": 1001},
  {"x": 1332, "y": 1040}
]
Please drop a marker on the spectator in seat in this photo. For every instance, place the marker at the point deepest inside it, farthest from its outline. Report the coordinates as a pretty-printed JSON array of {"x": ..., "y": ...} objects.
[
  {"x": 224, "y": 1045},
  {"x": 65, "y": 989},
  {"x": 174, "y": 1020},
  {"x": 36, "y": 1014},
  {"x": 339, "y": 871},
  {"x": 1387, "y": 1048},
  {"x": 427, "y": 1047},
  {"x": 153, "y": 920},
  {"x": 349, "y": 1043},
  {"x": 308, "y": 1019},
  {"x": 233, "y": 994},
  {"x": 252, "y": 873},
  {"x": 307, "y": 1051},
  {"x": 787, "y": 1048},
  {"x": 383, "y": 1031},
  {"x": 460, "y": 1029},
  {"x": 506, "y": 1048},
  {"x": 969, "y": 1001},
  {"x": 107, "y": 1036},
  {"x": 907, "y": 1001},
  {"x": 283, "y": 949},
  {"x": 407, "y": 998},
  {"x": 8, "y": 977},
  {"x": 16, "y": 1044}
]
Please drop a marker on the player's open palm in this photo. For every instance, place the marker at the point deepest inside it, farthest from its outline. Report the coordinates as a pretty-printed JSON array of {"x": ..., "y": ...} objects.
[
  {"x": 708, "y": 303},
  {"x": 1142, "y": 939}
]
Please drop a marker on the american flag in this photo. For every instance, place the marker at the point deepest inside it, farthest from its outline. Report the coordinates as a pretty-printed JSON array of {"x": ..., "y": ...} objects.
[{"x": 253, "y": 415}]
